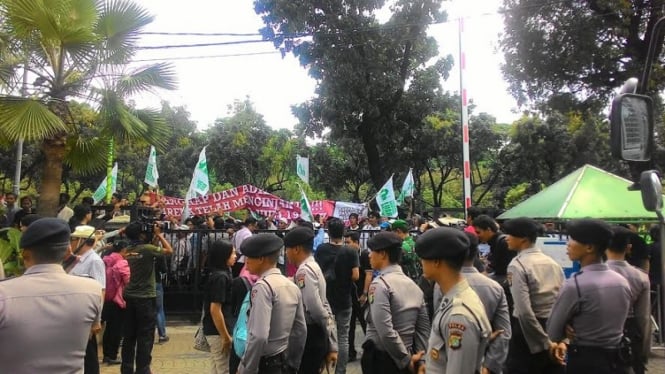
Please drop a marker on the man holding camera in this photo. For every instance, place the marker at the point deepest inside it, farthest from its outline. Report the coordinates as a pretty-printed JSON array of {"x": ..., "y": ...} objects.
[{"x": 140, "y": 295}]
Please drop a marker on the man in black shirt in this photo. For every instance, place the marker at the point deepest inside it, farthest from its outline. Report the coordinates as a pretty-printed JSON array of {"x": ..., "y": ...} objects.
[
  {"x": 340, "y": 267},
  {"x": 500, "y": 256}
]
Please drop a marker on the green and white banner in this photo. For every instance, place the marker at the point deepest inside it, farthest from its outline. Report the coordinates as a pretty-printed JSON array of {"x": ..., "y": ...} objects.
[
  {"x": 305, "y": 208},
  {"x": 100, "y": 193},
  {"x": 408, "y": 188},
  {"x": 151, "y": 174},
  {"x": 302, "y": 168},
  {"x": 386, "y": 199}
]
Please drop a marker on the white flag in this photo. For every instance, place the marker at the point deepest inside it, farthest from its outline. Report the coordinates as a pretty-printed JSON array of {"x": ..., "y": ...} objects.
[
  {"x": 302, "y": 168},
  {"x": 151, "y": 174},
  {"x": 200, "y": 184},
  {"x": 386, "y": 199},
  {"x": 100, "y": 193},
  {"x": 408, "y": 187},
  {"x": 305, "y": 209}
]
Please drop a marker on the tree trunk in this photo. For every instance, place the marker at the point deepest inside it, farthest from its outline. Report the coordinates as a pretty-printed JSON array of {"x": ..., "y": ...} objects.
[
  {"x": 49, "y": 191},
  {"x": 374, "y": 163}
]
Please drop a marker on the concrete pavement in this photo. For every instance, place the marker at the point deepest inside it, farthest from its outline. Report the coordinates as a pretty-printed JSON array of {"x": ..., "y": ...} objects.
[{"x": 178, "y": 357}]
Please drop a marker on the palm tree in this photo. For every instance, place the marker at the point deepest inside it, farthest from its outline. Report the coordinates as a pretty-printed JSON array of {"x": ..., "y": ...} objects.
[{"x": 76, "y": 49}]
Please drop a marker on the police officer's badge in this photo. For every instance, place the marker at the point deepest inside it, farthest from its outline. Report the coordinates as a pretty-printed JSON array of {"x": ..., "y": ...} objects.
[
  {"x": 455, "y": 340},
  {"x": 300, "y": 280},
  {"x": 370, "y": 294},
  {"x": 434, "y": 354}
]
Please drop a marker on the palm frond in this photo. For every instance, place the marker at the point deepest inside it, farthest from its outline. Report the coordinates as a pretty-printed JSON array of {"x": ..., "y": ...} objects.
[
  {"x": 85, "y": 154},
  {"x": 158, "y": 131},
  {"x": 147, "y": 79},
  {"x": 28, "y": 119},
  {"x": 119, "y": 26},
  {"x": 116, "y": 118}
]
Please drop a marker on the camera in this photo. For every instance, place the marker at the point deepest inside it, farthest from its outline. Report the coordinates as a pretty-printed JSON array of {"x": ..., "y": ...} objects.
[{"x": 147, "y": 218}]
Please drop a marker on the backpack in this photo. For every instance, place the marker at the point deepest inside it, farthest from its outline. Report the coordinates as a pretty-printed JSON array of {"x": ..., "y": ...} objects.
[{"x": 240, "y": 329}]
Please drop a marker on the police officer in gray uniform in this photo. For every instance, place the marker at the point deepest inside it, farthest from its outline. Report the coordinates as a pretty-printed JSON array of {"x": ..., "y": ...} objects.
[
  {"x": 46, "y": 315},
  {"x": 276, "y": 329},
  {"x": 493, "y": 297},
  {"x": 595, "y": 302},
  {"x": 535, "y": 280},
  {"x": 397, "y": 322},
  {"x": 638, "y": 324},
  {"x": 321, "y": 330},
  {"x": 460, "y": 328}
]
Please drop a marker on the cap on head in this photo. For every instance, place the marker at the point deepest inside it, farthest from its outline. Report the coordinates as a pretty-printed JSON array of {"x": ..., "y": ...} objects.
[
  {"x": 44, "y": 232},
  {"x": 401, "y": 225},
  {"x": 83, "y": 231},
  {"x": 383, "y": 241},
  {"x": 261, "y": 245},
  {"x": 443, "y": 243},
  {"x": 300, "y": 235},
  {"x": 590, "y": 232},
  {"x": 522, "y": 228}
]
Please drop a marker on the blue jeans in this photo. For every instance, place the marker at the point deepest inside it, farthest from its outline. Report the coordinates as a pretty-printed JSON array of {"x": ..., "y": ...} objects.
[
  {"x": 161, "y": 317},
  {"x": 343, "y": 319}
]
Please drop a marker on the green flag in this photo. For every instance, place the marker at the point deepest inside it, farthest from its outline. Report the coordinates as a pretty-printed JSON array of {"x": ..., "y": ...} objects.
[
  {"x": 305, "y": 209},
  {"x": 408, "y": 187},
  {"x": 151, "y": 175},
  {"x": 386, "y": 199},
  {"x": 100, "y": 193},
  {"x": 302, "y": 168}
]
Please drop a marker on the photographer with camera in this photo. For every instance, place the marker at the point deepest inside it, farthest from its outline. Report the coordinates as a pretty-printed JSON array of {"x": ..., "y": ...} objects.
[{"x": 147, "y": 244}]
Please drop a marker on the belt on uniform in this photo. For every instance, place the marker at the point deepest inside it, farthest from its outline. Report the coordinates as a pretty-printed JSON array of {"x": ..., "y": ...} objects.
[
  {"x": 272, "y": 361},
  {"x": 585, "y": 349}
]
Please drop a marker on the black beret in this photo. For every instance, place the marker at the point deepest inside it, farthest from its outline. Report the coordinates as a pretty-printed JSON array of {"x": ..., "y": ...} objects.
[
  {"x": 590, "y": 232},
  {"x": 521, "y": 227},
  {"x": 297, "y": 236},
  {"x": 442, "y": 243},
  {"x": 45, "y": 231},
  {"x": 384, "y": 240},
  {"x": 621, "y": 237},
  {"x": 261, "y": 245}
]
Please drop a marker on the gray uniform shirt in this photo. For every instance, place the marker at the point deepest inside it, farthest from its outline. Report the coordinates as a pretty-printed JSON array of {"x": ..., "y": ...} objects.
[
  {"x": 276, "y": 321},
  {"x": 309, "y": 278},
  {"x": 397, "y": 321},
  {"x": 493, "y": 298},
  {"x": 460, "y": 331},
  {"x": 45, "y": 320},
  {"x": 640, "y": 302},
  {"x": 597, "y": 312},
  {"x": 535, "y": 280}
]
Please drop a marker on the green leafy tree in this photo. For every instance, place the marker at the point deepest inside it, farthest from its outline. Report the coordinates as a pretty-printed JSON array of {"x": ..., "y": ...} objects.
[
  {"x": 361, "y": 66},
  {"x": 69, "y": 46},
  {"x": 585, "y": 48}
]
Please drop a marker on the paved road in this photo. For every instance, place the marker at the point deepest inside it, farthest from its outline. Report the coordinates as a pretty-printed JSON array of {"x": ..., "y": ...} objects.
[{"x": 178, "y": 357}]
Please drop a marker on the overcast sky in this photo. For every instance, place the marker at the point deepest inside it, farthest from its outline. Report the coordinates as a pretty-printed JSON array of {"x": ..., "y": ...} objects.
[{"x": 207, "y": 85}]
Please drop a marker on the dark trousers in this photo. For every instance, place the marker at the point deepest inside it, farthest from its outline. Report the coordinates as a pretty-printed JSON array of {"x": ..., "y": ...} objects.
[
  {"x": 139, "y": 335},
  {"x": 522, "y": 361},
  {"x": 316, "y": 349},
  {"x": 113, "y": 315},
  {"x": 594, "y": 360},
  {"x": 234, "y": 361},
  {"x": 633, "y": 333},
  {"x": 91, "y": 362},
  {"x": 375, "y": 361},
  {"x": 274, "y": 365},
  {"x": 356, "y": 315}
]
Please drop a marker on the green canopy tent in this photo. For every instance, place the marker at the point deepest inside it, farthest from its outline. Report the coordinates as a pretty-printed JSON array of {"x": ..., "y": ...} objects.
[{"x": 588, "y": 192}]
